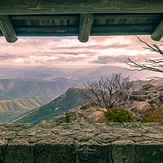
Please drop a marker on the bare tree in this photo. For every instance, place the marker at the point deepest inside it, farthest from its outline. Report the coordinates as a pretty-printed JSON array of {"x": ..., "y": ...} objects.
[
  {"x": 149, "y": 64},
  {"x": 155, "y": 65},
  {"x": 109, "y": 91}
]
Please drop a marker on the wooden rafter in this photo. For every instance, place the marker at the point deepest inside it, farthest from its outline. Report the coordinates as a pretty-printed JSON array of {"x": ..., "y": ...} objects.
[
  {"x": 158, "y": 32},
  {"x": 76, "y": 6},
  {"x": 85, "y": 25},
  {"x": 7, "y": 29}
]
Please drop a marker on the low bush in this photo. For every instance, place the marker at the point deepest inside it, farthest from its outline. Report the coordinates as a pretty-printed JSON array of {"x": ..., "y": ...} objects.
[
  {"x": 153, "y": 115},
  {"x": 86, "y": 106},
  {"x": 67, "y": 116},
  {"x": 118, "y": 115}
]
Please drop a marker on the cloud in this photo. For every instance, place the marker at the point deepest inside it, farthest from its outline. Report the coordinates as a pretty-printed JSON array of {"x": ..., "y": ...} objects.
[
  {"x": 7, "y": 56},
  {"x": 122, "y": 58},
  {"x": 68, "y": 50}
]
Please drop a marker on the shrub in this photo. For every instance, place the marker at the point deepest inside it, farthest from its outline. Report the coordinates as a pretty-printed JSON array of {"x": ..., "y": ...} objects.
[
  {"x": 86, "y": 106},
  {"x": 153, "y": 115},
  {"x": 67, "y": 116},
  {"x": 118, "y": 115}
]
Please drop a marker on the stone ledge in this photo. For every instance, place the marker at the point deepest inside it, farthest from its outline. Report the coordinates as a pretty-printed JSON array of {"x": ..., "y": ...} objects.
[{"x": 82, "y": 142}]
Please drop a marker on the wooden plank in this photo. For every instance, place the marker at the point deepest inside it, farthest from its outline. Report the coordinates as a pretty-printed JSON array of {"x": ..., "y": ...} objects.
[
  {"x": 43, "y": 17},
  {"x": 74, "y": 33},
  {"x": 47, "y": 33},
  {"x": 127, "y": 16},
  {"x": 158, "y": 32},
  {"x": 127, "y": 27},
  {"x": 122, "y": 30},
  {"x": 46, "y": 28},
  {"x": 96, "y": 30},
  {"x": 11, "y": 7},
  {"x": 85, "y": 26},
  {"x": 118, "y": 33},
  {"x": 100, "y": 28},
  {"x": 76, "y": 16},
  {"x": 7, "y": 29}
]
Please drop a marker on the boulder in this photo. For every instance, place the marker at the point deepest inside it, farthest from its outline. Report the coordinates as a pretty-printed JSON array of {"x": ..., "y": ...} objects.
[
  {"x": 161, "y": 107},
  {"x": 143, "y": 107},
  {"x": 148, "y": 87}
]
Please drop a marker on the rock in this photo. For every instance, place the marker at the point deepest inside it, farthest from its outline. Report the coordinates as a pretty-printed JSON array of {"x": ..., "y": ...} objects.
[
  {"x": 155, "y": 101},
  {"x": 143, "y": 107},
  {"x": 83, "y": 142},
  {"x": 161, "y": 107},
  {"x": 160, "y": 89},
  {"x": 94, "y": 115},
  {"x": 148, "y": 87},
  {"x": 19, "y": 153}
]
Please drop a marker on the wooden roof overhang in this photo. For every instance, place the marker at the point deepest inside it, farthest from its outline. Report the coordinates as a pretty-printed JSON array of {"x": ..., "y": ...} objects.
[{"x": 80, "y": 18}]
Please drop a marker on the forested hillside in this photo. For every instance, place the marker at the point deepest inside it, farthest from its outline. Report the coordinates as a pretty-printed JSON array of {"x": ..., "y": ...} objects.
[
  {"x": 72, "y": 99},
  {"x": 10, "y": 109}
]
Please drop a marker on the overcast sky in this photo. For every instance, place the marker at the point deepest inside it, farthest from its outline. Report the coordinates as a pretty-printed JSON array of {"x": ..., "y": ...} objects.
[{"x": 68, "y": 51}]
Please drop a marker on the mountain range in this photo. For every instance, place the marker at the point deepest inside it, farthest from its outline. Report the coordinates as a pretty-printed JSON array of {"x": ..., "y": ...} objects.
[
  {"x": 71, "y": 99},
  {"x": 144, "y": 97},
  {"x": 46, "y": 83},
  {"x": 21, "y": 104},
  {"x": 50, "y": 73},
  {"x": 10, "y": 109}
]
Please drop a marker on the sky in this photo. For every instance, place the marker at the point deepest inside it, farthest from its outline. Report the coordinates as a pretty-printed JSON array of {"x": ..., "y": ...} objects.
[{"x": 68, "y": 51}]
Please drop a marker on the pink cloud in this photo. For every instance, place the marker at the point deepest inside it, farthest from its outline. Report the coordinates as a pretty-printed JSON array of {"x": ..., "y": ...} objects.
[{"x": 68, "y": 50}]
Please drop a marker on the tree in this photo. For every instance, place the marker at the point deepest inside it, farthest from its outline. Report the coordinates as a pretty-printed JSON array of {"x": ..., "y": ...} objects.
[
  {"x": 149, "y": 64},
  {"x": 155, "y": 65},
  {"x": 108, "y": 92}
]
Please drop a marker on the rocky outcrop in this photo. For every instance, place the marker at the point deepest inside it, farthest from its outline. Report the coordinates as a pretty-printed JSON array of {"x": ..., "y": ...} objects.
[
  {"x": 82, "y": 143},
  {"x": 150, "y": 97},
  {"x": 143, "y": 107}
]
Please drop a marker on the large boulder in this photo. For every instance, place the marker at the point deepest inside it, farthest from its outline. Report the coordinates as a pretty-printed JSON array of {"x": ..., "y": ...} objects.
[{"x": 143, "y": 107}]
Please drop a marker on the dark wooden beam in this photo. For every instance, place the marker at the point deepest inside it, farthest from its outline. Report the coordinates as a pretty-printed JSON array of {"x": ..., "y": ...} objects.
[
  {"x": 76, "y": 16},
  {"x": 130, "y": 27},
  {"x": 52, "y": 28},
  {"x": 12, "y": 7},
  {"x": 44, "y": 17},
  {"x": 131, "y": 16},
  {"x": 158, "y": 32},
  {"x": 85, "y": 25},
  {"x": 133, "y": 29},
  {"x": 7, "y": 29}
]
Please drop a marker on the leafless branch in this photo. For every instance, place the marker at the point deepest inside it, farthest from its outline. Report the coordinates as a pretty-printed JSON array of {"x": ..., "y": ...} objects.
[
  {"x": 109, "y": 91},
  {"x": 152, "y": 47},
  {"x": 155, "y": 65}
]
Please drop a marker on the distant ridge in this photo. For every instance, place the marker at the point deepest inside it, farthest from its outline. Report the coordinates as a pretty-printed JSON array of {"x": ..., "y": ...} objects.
[
  {"x": 73, "y": 98},
  {"x": 10, "y": 109},
  {"x": 16, "y": 88},
  {"x": 21, "y": 104}
]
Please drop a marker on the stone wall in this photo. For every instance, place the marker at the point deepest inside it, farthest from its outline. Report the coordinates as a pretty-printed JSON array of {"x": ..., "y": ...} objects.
[{"x": 82, "y": 143}]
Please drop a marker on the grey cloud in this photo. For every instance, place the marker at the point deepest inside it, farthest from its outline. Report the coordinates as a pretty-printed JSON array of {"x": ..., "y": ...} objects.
[
  {"x": 71, "y": 53},
  {"x": 67, "y": 53},
  {"x": 109, "y": 59},
  {"x": 61, "y": 59},
  {"x": 6, "y": 56},
  {"x": 122, "y": 58},
  {"x": 65, "y": 59},
  {"x": 98, "y": 46}
]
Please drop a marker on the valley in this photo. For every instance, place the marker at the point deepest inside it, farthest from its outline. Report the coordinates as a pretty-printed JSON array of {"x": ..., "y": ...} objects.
[{"x": 25, "y": 89}]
